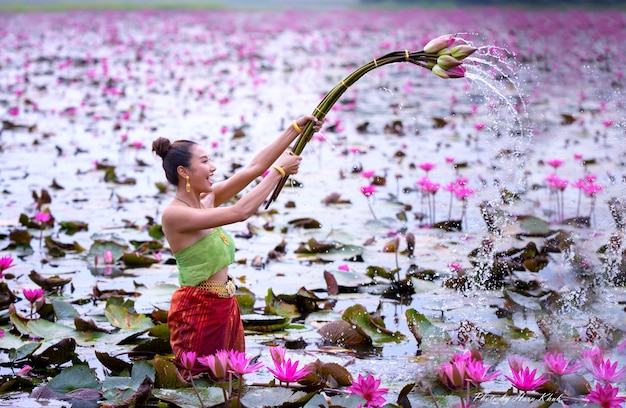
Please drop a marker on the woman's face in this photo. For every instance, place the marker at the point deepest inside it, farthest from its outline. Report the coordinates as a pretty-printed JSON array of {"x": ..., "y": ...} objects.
[{"x": 201, "y": 170}]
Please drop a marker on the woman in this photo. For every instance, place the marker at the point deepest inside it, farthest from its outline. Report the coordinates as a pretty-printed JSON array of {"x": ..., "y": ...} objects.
[{"x": 204, "y": 314}]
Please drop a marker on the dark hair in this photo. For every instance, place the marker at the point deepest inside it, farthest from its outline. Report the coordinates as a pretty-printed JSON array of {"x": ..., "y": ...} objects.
[{"x": 173, "y": 155}]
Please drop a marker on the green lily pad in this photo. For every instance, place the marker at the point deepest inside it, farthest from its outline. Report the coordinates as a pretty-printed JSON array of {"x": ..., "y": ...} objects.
[
  {"x": 74, "y": 377},
  {"x": 121, "y": 317},
  {"x": 358, "y": 315},
  {"x": 264, "y": 323},
  {"x": 422, "y": 328},
  {"x": 534, "y": 226},
  {"x": 187, "y": 398}
]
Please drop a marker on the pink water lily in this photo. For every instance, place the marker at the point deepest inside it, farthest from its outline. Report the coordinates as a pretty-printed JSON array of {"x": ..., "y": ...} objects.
[
  {"x": 605, "y": 396},
  {"x": 607, "y": 371},
  {"x": 6, "y": 262},
  {"x": 217, "y": 363},
  {"x": 556, "y": 363},
  {"x": 42, "y": 217},
  {"x": 478, "y": 372},
  {"x": 522, "y": 377},
  {"x": 239, "y": 364},
  {"x": 453, "y": 374},
  {"x": 368, "y": 191},
  {"x": 288, "y": 371},
  {"x": 188, "y": 360},
  {"x": 369, "y": 389},
  {"x": 33, "y": 295}
]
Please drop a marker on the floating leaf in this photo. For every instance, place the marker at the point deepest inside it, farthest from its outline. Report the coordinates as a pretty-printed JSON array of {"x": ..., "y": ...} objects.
[
  {"x": 122, "y": 318},
  {"x": 358, "y": 315},
  {"x": 48, "y": 283},
  {"x": 167, "y": 374},
  {"x": 72, "y": 227},
  {"x": 187, "y": 398},
  {"x": 264, "y": 323},
  {"x": 57, "y": 354},
  {"x": 343, "y": 334},
  {"x": 113, "y": 364},
  {"x": 73, "y": 378},
  {"x": 274, "y": 397},
  {"x": 534, "y": 226},
  {"x": 137, "y": 260}
]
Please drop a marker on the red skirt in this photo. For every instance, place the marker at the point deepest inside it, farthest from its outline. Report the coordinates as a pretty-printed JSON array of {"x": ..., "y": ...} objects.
[{"x": 201, "y": 321}]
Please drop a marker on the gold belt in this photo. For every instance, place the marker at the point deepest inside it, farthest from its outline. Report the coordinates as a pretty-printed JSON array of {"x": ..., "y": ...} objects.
[{"x": 221, "y": 289}]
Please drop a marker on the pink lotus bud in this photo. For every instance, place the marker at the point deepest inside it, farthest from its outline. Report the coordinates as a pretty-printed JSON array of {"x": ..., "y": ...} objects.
[
  {"x": 446, "y": 62},
  {"x": 462, "y": 51},
  {"x": 108, "y": 257},
  {"x": 437, "y": 44},
  {"x": 456, "y": 72}
]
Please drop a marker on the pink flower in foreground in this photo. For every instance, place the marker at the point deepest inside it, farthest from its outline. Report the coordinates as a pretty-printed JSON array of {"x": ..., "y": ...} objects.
[
  {"x": 288, "y": 371},
  {"x": 607, "y": 123},
  {"x": 14, "y": 111},
  {"x": 605, "y": 396},
  {"x": 559, "y": 365},
  {"x": 368, "y": 191},
  {"x": 607, "y": 372},
  {"x": 453, "y": 374},
  {"x": 344, "y": 267},
  {"x": 5, "y": 263},
  {"x": 218, "y": 363},
  {"x": 478, "y": 372},
  {"x": 33, "y": 295},
  {"x": 239, "y": 364},
  {"x": 555, "y": 182},
  {"x": 523, "y": 379},
  {"x": 368, "y": 389},
  {"x": 188, "y": 360}
]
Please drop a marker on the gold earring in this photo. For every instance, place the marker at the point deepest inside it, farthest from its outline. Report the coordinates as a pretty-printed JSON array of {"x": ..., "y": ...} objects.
[{"x": 187, "y": 186}]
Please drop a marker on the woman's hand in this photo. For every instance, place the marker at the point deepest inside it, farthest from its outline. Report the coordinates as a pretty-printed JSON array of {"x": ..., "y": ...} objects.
[
  {"x": 289, "y": 162},
  {"x": 303, "y": 120}
]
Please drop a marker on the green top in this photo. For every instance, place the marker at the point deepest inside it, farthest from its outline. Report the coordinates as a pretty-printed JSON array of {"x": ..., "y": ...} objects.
[{"x": 202, "y": 259}]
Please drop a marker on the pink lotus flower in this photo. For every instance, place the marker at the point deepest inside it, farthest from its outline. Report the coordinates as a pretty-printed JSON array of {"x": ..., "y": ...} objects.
[
  {"x": 523, "y": 379},
  {"x": 218, "y": 363},
  {"x": 426, "y": 166},
  {"x": 555, "y": 182},
  {"x": 368, "y": 389},
  {"x": 453, "y": 374},
  {"x": 240, "y": 365},
  {"x": 24, "y": 371},
  {"x": 287, "y": 371},
  {"x": 559, "y": 365},
  {"x": 108, "y": 257},
  {"x": 607, "y": 123},
  {"x": 188, "y": 360},
  {"x": 42, "y": 217},
  {"x": 368, "y": 173},
  {"x": 427, "y": 185},
  {"x": 479, "y": 126},
  {"x": 368, "y": 191},
  {"x": 344, "y": 267},
  {"x": 14, "y": 111},
  {"x": 33, "y": 295},
  {"x": 555, "y": 163},
  {"x": 605, "y": 396},
  {"x": 478, "y": 372},
  {"x": 605, "y": 371},
  {"x": 6, "y": 262}
]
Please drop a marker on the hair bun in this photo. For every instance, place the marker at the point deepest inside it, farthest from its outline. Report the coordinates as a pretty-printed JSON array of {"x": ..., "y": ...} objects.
[{"x": 161, "y": 146}]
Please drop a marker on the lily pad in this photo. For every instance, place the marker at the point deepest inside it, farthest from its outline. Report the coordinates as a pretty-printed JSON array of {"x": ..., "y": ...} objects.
[
  {"x": 264, "y": 323},
  {"x": 358, "y": 315}
]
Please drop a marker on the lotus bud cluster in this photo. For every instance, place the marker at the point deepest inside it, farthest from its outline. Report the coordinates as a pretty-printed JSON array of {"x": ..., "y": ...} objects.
[
  {"x": 449, "y": 56},
  {"x": 443, "y": 55}
]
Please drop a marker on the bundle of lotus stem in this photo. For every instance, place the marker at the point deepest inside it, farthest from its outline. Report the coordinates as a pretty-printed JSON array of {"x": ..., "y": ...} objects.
[{"x": 443, "y": 56}]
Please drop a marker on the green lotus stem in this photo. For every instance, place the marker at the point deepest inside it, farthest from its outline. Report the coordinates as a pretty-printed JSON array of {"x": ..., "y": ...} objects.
[{"x": 427, "y": 60}]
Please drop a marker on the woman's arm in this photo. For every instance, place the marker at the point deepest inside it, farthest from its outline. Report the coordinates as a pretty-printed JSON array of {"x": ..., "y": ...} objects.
[
  {"x": 226, "y": 189},
  {"x": 180, "y": 219}
]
